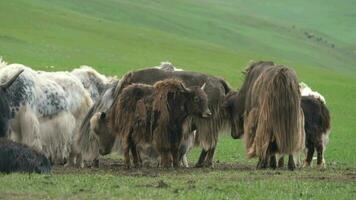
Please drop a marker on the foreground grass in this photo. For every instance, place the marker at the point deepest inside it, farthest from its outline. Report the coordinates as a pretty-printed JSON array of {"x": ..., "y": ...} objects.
[
  {"x": 233, "y": 177},
  {"x": 183, "y": 184}
]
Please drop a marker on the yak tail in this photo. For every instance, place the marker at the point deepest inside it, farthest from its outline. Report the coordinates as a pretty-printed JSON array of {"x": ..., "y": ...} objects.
[
  {"x": 281, "y": 115},
  {"x": 325, "y": 123}
]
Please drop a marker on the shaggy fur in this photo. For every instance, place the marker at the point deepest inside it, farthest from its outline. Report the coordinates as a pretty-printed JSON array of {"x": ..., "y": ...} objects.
[
  {"x": 16, "y": 157},
  {"x": 46, "y": 110},
  {"x": 79, "y": 102},
  {"x": 155, "y": 115},
  {"x": 317, "y": 128},
  {"x": 206, "y": 129},
  {"x": 94, "y": 82},
  {"x": 273, "y": 121}
]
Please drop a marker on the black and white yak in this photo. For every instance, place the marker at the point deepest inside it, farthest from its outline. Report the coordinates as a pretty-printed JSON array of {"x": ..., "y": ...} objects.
[{"x": 16, "y": 157}]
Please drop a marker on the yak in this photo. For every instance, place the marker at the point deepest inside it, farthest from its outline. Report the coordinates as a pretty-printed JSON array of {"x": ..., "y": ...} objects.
[
  {"x": 267, "y": 111},
  {"x": 46, "y": 110},
  {"x": 206, "y": 129},
  {"x": 16, "y": 157},
  {"x": 144, "y": 114},
  {"x": 317, "y": 128}
]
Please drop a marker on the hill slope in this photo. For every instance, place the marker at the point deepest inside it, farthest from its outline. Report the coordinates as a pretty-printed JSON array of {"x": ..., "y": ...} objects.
[{"x": 218, "y": 37}]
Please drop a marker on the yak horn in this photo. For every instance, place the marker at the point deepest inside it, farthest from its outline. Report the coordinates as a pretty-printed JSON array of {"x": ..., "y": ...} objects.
[
  {"x": 203, "y": 86},
  {"x": 4, "y": 86},
  {"x": 184, "y": 88}
]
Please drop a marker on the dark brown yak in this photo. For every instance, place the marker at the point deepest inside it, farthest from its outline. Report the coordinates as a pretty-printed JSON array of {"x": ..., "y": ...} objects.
[
  {"x": 267, "y": 111},
  {"x": 317, "y": 128},
  {"x": 143, "y": 114}
]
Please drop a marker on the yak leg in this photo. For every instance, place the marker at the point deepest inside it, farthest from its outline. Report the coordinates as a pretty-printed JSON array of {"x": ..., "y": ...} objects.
[
  {"x": 135, "y": 156},
  {"x": 320, "y": 156},
  {"x": 126, "y": 149},
  {"x": 210, "y": 157},
  {"x": 96, "y": 163},
  {"x": 166, "y": 161},
  {"x": 281, "y": 162},
  {"x": 201, "y": 158},
  {"x": 309, "y": 158},
  {"x": 175, "y": 155},
  {"x": 182, "y": 155},
  {"x": 273, "y": 161},
  {"x": 291, "y": 164}
]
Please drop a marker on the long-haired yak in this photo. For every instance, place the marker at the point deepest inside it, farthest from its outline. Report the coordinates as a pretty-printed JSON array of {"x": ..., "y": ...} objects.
[
  {"x": 206, "y": 129},
  {"x": 46, "y": 109},
  {"x": 144, "y": 114},
  {"x": 268, "y": 112}
]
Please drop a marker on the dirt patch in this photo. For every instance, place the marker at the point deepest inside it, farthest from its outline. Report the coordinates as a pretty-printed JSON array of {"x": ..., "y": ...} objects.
[{"x": 117, "y": 167}]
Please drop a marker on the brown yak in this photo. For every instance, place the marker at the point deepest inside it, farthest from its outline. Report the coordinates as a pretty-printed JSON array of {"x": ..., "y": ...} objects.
[
  {"x": 144, "y": 114},
  {"x": 267, "y": 111}
]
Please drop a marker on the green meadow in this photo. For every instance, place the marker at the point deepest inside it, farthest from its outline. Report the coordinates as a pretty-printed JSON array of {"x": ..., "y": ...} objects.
[{"x": 219, "y": 37}]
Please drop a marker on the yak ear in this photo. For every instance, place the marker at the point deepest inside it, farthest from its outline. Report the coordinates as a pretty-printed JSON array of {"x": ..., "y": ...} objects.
[
  {"x": 103, "y": 115},
  {"x": 203, "y": 86},
  {"x": 4, "y": 86}
]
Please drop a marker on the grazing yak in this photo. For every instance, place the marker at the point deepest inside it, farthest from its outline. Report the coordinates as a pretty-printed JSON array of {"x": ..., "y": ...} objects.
[
  {"x": 16, "y": 157},
  {"x": 267, "y": 110},
  {"x": 144, "y": 114},
  {"x": 95, "y": 138},
  {"x": 45, "y": 110}
]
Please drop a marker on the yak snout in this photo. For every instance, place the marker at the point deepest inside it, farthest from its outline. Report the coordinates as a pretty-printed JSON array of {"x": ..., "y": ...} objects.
[{"x": 206, "y": 113}]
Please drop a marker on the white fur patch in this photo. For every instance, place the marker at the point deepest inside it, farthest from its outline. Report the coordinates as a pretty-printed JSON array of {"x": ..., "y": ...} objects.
[
  {"x": 305, "y": 90},
  {"x": 168, "y": 65}
]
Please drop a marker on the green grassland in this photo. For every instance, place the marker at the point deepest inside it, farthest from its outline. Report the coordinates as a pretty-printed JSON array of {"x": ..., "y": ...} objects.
[{"x": 316, "y": 38}]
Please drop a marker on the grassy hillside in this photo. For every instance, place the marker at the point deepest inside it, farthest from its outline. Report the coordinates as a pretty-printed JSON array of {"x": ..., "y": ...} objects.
[{"x": 317, "y": 38}]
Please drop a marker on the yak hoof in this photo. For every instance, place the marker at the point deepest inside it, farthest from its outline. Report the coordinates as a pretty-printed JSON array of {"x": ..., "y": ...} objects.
[
  {"x": 306, "y": 164},
  {"x": 321, "y": 165}
]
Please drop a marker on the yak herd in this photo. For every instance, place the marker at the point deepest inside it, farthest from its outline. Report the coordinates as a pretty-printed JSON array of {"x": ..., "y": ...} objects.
[{"x": 155, "y": 116}]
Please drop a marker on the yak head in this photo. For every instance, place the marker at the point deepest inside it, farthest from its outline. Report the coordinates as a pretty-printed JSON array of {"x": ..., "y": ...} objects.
[
  {"x": 4, "y": 104},
  {"x": 197, "y": 101},
  {"x": 99, "y": 125},
  {"x": 235, "y": 113}
]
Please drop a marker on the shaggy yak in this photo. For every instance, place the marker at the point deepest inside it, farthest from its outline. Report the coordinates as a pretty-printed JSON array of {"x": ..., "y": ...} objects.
[
  {"x": 317, "y": 125},
  {"x": 16, "y": 157},
  {"x": 94, "y": 82},
  {"x": 46, "y": 109},
  {"x": 267, "y": 111},
  {"x": 207, "y": 129},
  {"x": 143, "y": 114}
]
